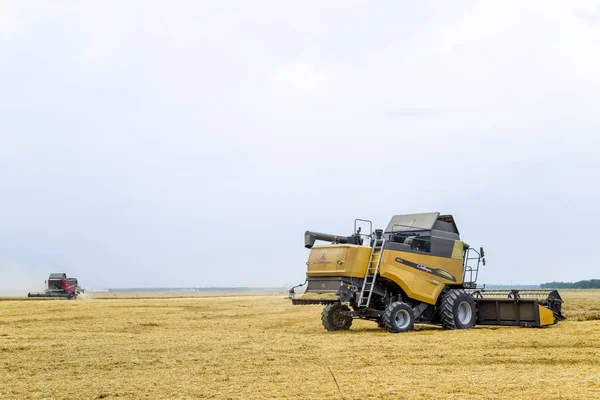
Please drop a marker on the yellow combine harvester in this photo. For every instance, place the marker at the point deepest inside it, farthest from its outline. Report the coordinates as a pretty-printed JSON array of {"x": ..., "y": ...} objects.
[{"x": 417, "y": 270}]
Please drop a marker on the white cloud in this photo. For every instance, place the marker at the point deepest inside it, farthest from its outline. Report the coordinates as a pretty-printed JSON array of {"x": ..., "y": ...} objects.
[
  {"x": 299, "y": 82},
  {"x": 579, "y": 41},
  {"x": 10, "y": 24}
]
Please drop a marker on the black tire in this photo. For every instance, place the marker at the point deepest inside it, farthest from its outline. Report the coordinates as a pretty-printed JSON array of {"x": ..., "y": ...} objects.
[
  {"x": 399, "y": 317},
  {"x": 457, "y": 310},
  {"x": 333, "y": 319}
]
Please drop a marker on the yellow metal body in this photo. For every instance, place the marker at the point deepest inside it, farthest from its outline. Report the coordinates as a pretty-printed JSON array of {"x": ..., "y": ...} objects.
[
  {"x": 416, "y": 283},
  {"x": 422, "y": 277},
  {"x": 338, "y": 260},
  {"x": 419, "y": 284}
]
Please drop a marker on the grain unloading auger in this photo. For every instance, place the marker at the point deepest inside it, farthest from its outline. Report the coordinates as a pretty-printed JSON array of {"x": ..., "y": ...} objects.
[{"x": 417, "y": 270}]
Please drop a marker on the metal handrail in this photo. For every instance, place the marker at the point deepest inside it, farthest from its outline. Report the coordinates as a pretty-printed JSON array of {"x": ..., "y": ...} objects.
[
  {"x": 469, "y": 269},
  {"x": 370, "y": 227}
]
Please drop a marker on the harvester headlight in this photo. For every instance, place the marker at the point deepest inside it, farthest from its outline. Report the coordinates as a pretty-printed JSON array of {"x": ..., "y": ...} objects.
[{"x": 340, "y": 262}]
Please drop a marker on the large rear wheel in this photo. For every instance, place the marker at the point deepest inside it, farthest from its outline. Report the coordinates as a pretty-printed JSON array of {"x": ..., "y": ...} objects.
[
  {"x": 333, "y": 317},
  {"x": 399, "y": 317},
  {"x": 457, "y": 310}
]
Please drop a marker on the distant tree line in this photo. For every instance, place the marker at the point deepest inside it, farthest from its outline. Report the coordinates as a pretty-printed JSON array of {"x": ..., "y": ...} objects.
[{"x": 588, "y": 284}]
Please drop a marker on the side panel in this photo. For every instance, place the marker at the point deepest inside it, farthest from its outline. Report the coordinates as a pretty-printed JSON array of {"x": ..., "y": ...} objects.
[
  {"x": 546, "y": 316},
  {"x": 338, "y": 260},
  {"x": 421, "y": 276}
]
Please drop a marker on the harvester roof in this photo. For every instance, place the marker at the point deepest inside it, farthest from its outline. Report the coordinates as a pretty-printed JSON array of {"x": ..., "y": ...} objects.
[
  {"x": 422, "y": 221},
  {"x": 57, "y": 276}
]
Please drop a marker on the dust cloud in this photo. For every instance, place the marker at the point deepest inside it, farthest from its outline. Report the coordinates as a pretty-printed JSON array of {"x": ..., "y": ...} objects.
[{"x": 18, "y": 281}]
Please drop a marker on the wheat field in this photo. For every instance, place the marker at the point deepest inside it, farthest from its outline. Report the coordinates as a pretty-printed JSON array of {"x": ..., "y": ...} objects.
[{"x": 255, "y": 347}]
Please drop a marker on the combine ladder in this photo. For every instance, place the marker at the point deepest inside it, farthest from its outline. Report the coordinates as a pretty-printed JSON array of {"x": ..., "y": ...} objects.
[{"x": 371, "y": 273}]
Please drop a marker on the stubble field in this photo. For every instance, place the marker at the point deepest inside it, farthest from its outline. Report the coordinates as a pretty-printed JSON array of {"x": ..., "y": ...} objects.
[{"x": 254, "y": 347}]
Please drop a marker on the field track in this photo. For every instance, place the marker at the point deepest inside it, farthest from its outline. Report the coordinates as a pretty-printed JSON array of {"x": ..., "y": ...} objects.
[{"x": 254, "y": 347}]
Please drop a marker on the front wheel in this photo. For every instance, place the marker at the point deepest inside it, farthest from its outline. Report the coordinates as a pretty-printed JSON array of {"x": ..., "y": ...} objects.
[
  {"x": 399, "y": 317},
  {"x": 457, "y": 310},
  {"x": 333, "y": 317}
]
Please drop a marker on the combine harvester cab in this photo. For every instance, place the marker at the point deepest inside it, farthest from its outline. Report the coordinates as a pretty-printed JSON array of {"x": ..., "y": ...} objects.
[
  {"x": 59, "y": 286},
  {"x": 416, "y": 271}
]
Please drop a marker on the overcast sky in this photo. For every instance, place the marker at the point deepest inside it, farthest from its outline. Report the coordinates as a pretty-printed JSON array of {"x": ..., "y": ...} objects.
[{"x": 191, "y": 143}]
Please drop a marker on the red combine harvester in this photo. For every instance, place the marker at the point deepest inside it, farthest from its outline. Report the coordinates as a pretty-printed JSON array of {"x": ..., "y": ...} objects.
[{"x": 58, "y": 285}]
